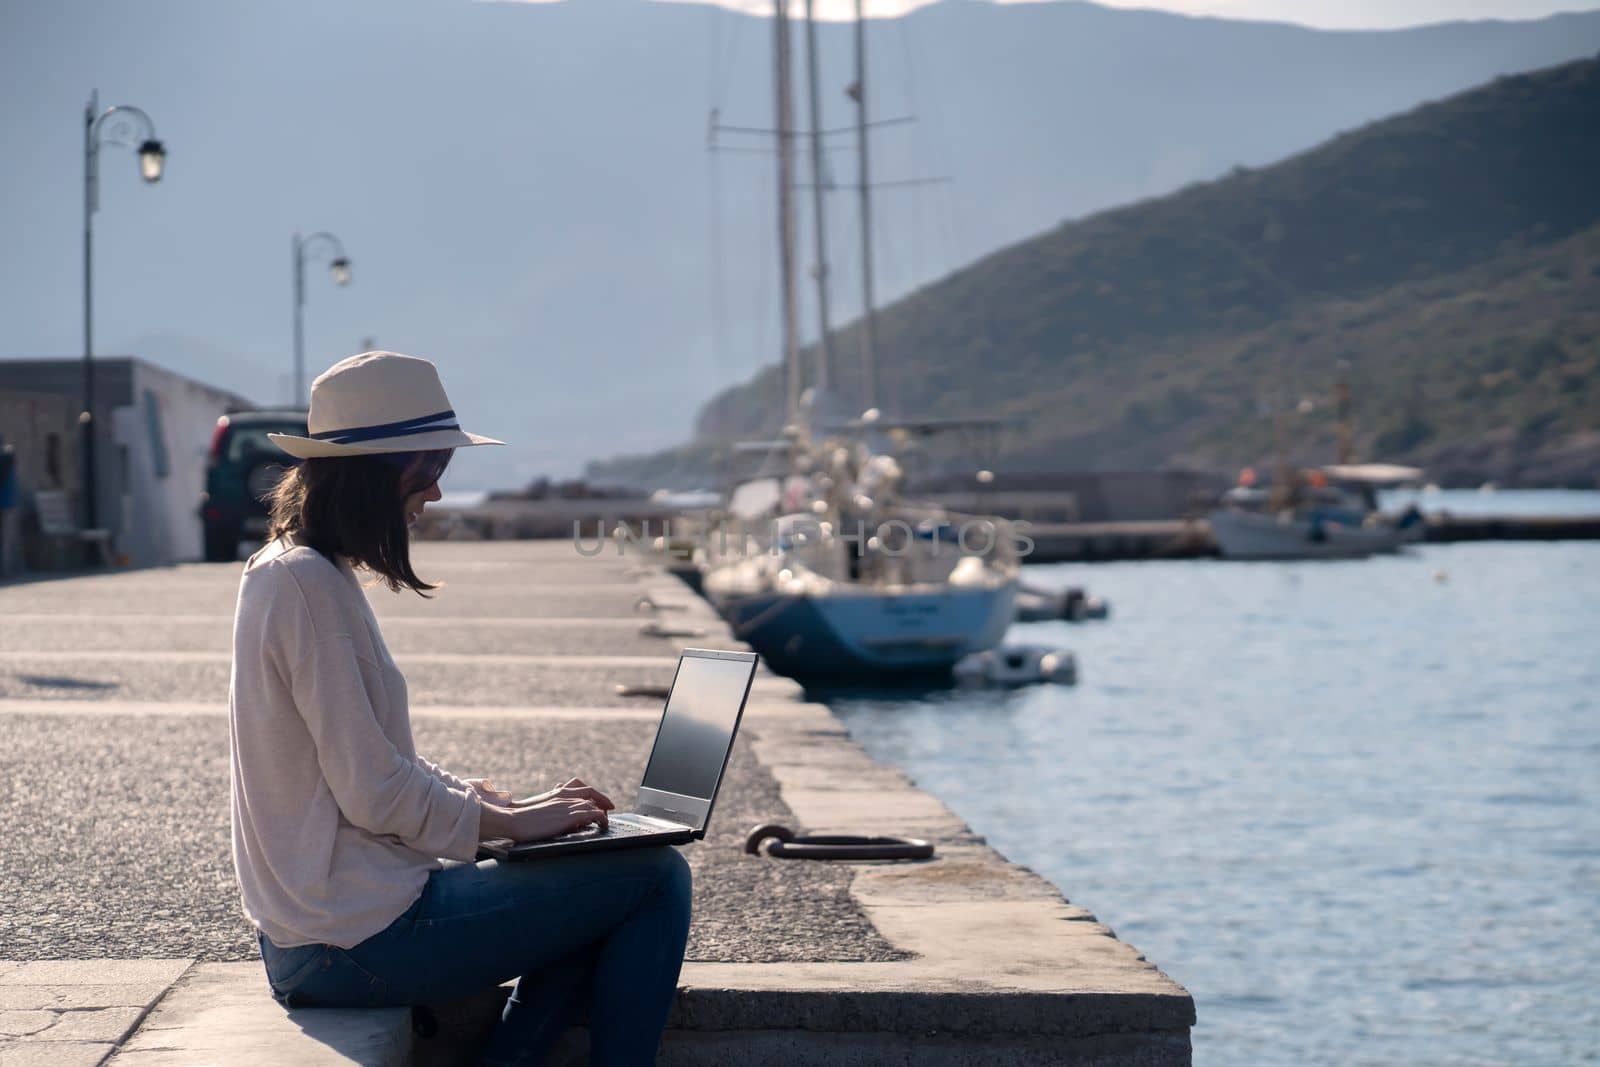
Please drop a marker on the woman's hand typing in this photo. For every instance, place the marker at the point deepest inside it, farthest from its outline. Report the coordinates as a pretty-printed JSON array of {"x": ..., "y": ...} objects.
[
  {"x": 568, "y": 807},
  {"x": 571, "y": 789}
]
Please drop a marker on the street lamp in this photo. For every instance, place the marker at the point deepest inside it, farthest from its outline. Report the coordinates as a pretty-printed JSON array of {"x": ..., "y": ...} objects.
[
  {"x": 339, "y": 267},
  {"x": 152, "y": 158},
  {"x": 115, "y": 125}
]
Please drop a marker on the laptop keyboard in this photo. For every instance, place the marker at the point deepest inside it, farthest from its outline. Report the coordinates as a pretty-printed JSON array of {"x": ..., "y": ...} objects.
[{"x": 616, "y": 828}]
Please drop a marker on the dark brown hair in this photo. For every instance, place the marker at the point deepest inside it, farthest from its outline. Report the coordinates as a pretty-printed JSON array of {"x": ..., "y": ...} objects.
[{"x": 354, "y": 506}]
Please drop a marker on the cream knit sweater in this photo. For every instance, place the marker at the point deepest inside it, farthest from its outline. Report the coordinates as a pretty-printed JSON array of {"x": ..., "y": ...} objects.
[{"x": 337, "y": 822}]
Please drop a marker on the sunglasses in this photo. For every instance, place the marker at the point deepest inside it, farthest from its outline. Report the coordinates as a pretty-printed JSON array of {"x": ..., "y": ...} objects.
[{"x": 420, "y": 470}]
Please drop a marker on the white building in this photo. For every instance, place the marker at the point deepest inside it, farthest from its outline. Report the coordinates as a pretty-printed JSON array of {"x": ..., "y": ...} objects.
[{"x": 153, "y": 428}]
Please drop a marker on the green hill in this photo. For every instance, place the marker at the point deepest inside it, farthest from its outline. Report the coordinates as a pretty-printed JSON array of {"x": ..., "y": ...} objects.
[{"x": 1445, "y": 261}]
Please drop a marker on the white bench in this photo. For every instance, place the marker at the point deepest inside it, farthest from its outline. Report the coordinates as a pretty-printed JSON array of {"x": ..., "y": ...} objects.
[{"x": 55, "y": 520}]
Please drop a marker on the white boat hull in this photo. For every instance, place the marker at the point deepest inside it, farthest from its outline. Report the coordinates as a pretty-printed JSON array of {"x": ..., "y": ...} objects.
[
  {"x": 1253, "y": 535},
  {"x": 856, "y": 635}
]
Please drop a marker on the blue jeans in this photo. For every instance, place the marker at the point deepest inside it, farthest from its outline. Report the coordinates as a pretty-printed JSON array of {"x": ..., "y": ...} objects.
[{"x": 600, "y": 931}]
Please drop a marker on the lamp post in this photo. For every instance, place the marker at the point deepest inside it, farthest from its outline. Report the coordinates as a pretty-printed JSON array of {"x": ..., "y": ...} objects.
[
  {"x": 339, "y": 267},
  {"x": 115, "y": 125}
]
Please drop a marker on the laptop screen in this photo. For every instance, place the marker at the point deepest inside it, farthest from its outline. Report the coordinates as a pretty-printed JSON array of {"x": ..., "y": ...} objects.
[{"x": 697, "y": 726}]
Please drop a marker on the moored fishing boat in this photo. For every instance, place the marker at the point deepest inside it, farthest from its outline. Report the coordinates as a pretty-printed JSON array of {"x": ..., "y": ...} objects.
[{"x": 1328, "y": 513}]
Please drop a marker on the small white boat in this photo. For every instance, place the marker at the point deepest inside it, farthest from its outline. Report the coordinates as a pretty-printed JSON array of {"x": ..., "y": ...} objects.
[
  {"x": 1017, "y": 665},
  {"x": 1036, "y": 604}
]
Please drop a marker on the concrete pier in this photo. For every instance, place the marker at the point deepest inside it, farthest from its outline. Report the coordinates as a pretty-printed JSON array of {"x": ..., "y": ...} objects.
[
  {"x": 1446, "y": 528},
  {"x": 1091, "y": 542},
  {"x": 120, "y": 680},
  {"x": 1096, "y": 542}
]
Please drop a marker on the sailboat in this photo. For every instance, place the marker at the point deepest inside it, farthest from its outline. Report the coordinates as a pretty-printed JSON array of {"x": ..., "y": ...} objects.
[
  {"x": 857, "y": 584},
  {"x": 849, "y": 582}
]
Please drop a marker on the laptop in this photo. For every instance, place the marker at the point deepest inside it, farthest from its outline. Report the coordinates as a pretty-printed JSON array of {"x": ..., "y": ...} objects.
[{"x": 685, "y": 768}]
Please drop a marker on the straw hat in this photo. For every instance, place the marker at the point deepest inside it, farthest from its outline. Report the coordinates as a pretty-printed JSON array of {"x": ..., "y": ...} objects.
[{"x": 378, "y": 402}]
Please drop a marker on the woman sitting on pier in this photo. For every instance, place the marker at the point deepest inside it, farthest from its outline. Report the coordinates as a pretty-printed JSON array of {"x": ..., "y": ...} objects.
[{"x": 339, "y": 826}]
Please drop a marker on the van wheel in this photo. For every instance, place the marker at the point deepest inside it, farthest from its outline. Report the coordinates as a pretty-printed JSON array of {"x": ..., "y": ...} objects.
[{"x": 222, "y": 544}]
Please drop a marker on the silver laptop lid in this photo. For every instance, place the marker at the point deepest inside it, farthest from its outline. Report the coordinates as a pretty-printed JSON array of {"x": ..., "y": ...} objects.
[{"x": 695, "y": 736}]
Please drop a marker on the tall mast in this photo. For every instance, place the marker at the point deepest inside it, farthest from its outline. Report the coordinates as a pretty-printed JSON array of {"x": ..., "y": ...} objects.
[
  {"x": 869, "y": 314},
  {"x": 1341, "y": 395},
  {"x": 820, "y": 271},
  {"x": 785, "y": 124}
]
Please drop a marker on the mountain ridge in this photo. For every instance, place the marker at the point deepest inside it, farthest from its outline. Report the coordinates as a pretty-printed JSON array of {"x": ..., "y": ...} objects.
[{"x": 1175, "y": 318}]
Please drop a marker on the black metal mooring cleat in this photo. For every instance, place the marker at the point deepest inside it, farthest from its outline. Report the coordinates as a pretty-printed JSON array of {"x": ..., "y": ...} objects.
[{"x": 786, "y": 845}]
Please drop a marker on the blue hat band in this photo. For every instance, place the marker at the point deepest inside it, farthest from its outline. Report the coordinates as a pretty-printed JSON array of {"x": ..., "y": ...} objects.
[{"x": 444, "y": 420}]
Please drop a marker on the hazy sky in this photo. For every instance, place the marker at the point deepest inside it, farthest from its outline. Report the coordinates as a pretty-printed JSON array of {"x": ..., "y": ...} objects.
[{"x": 1333, "y": 14}]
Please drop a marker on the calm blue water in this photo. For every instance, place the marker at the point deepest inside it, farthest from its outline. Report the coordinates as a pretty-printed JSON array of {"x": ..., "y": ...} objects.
[{"x": 1354, "y": 807}]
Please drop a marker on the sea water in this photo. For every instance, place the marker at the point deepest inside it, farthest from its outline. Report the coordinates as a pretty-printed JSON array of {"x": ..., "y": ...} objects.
[{"x": 1353, "y": 807}]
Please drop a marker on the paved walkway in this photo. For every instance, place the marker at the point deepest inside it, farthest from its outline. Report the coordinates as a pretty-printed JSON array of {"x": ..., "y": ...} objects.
[
  {"x": 113, "y": 691},
  {"x": 70, "y": 1013}
]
